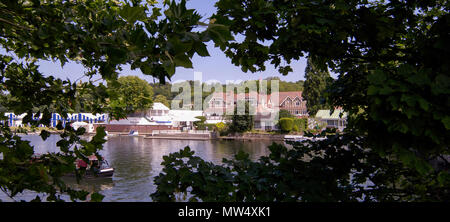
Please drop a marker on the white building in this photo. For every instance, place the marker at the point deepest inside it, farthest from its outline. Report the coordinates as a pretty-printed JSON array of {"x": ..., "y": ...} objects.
[
  {"x": 337, "y": 119},
  {"x": 159, "y": 117}
]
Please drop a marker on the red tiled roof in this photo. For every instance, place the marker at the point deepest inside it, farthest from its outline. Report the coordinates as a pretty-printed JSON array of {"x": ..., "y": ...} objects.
[{"x": 281, "y": 95}]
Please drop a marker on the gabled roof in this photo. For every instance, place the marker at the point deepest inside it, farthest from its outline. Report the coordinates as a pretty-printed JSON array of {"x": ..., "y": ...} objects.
[
  {"x": 325, "y": 114},
  {"x": 159, "y": 106},
  {"x": 282, "y": 96}
]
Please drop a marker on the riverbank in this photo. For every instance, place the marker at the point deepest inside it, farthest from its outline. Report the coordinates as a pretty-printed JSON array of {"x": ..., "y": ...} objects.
[
  {"x": 175, "y": 136},
  {"x": 210, "y": 136},
  {"x": 34, "y": 130},
  {"x": 254, "y": 136}
]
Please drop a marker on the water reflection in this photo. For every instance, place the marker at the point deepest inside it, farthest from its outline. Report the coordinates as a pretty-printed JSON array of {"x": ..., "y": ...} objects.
[
  {"x": 90, "y": 185},
  {"x": 138, "y": 160}
]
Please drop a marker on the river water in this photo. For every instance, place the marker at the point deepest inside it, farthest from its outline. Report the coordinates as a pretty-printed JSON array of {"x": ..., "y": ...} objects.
[{"x": 138, "y": 160}]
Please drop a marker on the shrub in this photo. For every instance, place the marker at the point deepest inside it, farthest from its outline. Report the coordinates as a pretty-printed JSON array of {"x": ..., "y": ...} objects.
[
  {"x": 220, "y": 126},
  {"x": 201, "y": 118},
  {"x": 200, "y": 125},
  {"x": 210, "y": 126},
  {"x": 300, "y": 123},
  {"x": 286, "y": 124}
]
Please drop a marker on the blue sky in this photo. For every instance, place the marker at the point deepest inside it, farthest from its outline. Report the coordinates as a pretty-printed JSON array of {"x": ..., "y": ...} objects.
[{"x": 216, "y": 67}]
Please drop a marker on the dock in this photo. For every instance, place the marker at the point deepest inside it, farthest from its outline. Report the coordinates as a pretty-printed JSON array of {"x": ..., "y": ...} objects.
[{"x": 177, "y": 138}]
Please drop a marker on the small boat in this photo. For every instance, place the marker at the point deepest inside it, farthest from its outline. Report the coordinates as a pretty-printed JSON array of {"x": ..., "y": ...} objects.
[
  {"x": 95, "y": 168},
  {"x": 133, "y": 133},
  {"x": 299, "y": 138}
]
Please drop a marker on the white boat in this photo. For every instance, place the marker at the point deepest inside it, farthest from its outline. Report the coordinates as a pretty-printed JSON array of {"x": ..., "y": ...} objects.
[
  {"x": 296, "y": 138},
  {"x": 133, "y": 133},
  {"x": 299, "y": 138}
]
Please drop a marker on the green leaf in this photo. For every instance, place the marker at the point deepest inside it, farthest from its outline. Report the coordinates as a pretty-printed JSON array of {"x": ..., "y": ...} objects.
[
  {"x": 443, "y": 178},
  {"x": 96, "y": 197},
  {"x": 242, "y": 155},
  {"x": 377, "y": 77},
  {"x": 132, "y": 14},
  {"x": 201, "y": 50},
  {"x": 446, "y": 122},
  {"x": 423, "y": 167},
  {"x": 169, "y": 67},
  {"x": 44, "y": 134},
  {"x": 178, "y": 46},
  {"x": 423, "y": 104},
  {"x": 372, "y": 90},
  {"x": 183, "y": 60}
]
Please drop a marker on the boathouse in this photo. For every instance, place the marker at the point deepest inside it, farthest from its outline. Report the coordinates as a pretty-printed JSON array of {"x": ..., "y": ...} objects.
[{"x": 159, "y": 117}]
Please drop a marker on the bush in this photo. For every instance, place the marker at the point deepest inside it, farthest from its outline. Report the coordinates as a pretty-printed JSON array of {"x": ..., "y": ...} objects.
[
  {"x": 201, "y": 118},
  {"x": 221, "y": 126},
  {"x": 200, "y": 125},
  {"x": 210, "y": 126},
  {"x": 286, "y": 124},
  {"x": 300, "y": 123}
]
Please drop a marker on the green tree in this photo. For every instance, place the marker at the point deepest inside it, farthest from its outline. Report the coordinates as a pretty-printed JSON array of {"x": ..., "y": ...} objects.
[
  {"x": 161, "y": 99},
  {"x": 242, "y": 122},
  {"x": 103, "y": 36},
  {"x": 315, "y": 85},
  {"x": 131, "y": 92}
]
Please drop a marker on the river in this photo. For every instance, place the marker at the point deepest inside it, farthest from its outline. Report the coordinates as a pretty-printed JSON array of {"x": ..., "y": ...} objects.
[{"x": 138, "y": 160}]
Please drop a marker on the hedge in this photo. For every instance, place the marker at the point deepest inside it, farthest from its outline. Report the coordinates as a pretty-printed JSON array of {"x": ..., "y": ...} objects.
[
  {"x": 301, "y": 124},
  {"x": 286, "y": 124}
]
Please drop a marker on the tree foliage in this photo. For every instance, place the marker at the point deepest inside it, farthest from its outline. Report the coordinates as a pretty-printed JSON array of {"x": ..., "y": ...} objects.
[
  {"x": 332, "y": 170},
  {"x": 391, "y": 57},
  {"x": 131, "y": 92},
  {"x": 101, "y": 35},
  {"x": 315, "y": 85},
  {"x": 242, "y": 120},
  {"x": 161, "y": 99}
]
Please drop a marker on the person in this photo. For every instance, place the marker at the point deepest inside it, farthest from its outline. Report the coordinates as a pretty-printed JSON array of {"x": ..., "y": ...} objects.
[
  {"x": 94, "y": 163},
  {"x": 81, "y": 164}
]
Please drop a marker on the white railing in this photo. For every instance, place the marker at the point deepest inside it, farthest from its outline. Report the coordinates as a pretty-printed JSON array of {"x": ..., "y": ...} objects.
[
  {"x": 198, "y": 132},
  {"x": 155, "y": 132}
]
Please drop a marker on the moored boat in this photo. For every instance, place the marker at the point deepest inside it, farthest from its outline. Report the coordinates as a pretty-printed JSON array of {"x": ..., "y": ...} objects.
[
  {"x": 95, "y": 167},
  {"x": 133, "y": 133}
]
